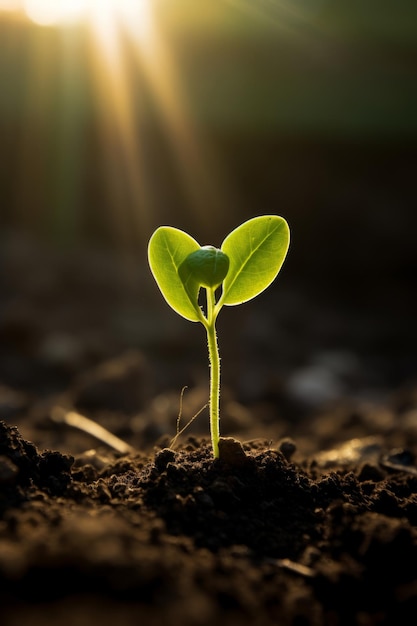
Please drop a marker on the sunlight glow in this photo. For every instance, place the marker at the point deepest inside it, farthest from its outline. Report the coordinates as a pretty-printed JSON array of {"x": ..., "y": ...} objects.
[
  {"x": 56, "y": 12},
  {"x": 10, "y": 5},
  {"x": 105, "y": 67},
  {"x": 49, "y": 12}
]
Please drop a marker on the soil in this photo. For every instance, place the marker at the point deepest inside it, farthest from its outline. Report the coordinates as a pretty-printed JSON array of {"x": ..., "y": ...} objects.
[{"x": 307, "y": 519}]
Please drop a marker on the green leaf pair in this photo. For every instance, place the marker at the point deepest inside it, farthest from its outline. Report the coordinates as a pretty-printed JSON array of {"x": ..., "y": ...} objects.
[{"x": 248, "y": 261}]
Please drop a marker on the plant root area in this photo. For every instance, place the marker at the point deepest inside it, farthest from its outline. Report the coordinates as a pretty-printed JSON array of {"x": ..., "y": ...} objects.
[{"x": 309, "y": 516}]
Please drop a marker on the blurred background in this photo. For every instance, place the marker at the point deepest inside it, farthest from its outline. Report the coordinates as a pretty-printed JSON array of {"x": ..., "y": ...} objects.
[{"x": 119, "y": 116}]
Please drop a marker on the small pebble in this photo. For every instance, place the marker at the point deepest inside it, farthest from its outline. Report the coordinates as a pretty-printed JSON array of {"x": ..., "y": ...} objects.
[
  {"x": 231, "y": 452},
  {"x": 287, "y": 447},
  {"x": 164, "y": 457}
]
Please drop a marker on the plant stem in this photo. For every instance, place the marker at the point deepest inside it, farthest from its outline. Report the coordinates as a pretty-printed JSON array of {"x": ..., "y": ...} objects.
[{"x": 214, "y": 371}]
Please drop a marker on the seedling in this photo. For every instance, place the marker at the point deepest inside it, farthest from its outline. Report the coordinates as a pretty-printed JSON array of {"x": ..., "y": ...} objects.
[{"x": 246, "y": 264}]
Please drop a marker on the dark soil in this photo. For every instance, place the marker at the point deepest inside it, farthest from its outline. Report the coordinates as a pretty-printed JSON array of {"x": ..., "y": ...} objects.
[{"x": 310, "y": 521}]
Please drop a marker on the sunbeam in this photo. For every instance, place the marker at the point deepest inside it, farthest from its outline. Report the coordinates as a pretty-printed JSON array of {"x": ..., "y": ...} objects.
[{"x": 105, "y": 65}]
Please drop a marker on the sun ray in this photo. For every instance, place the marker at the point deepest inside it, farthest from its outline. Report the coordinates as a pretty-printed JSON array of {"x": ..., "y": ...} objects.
[
  {"x": 133, "y": 80},
  {"x": 119, "y": 114}
]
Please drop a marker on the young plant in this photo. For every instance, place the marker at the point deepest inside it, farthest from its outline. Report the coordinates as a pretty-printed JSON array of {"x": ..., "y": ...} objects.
[{"x": 246, "y": 264}]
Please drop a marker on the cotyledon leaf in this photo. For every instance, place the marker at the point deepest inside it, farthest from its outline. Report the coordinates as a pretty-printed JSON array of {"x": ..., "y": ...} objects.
[
  {"x": 256, "y": 249},
  {"x": 167, "y": 249}
]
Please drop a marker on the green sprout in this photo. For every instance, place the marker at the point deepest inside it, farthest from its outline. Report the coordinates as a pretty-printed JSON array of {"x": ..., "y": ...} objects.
[{"x": 246, "y": 264}]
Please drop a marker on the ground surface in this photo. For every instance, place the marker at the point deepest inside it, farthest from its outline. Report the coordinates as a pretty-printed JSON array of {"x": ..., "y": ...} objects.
[{"x": 312, "y": 522}]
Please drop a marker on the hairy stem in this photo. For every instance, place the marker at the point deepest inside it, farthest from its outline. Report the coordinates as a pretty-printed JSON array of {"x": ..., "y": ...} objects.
[{"x": 214, "y": 372}]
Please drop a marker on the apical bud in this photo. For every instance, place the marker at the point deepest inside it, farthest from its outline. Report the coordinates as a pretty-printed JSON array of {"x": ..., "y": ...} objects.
[{"x": 208, "y": 266}]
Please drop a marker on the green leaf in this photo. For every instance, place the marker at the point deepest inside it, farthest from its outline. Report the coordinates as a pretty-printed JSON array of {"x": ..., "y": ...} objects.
[
  {"x": 168, "y": 248},
  {"x": 207, "y": 266},
  {"x": 256, "y": 249}
]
